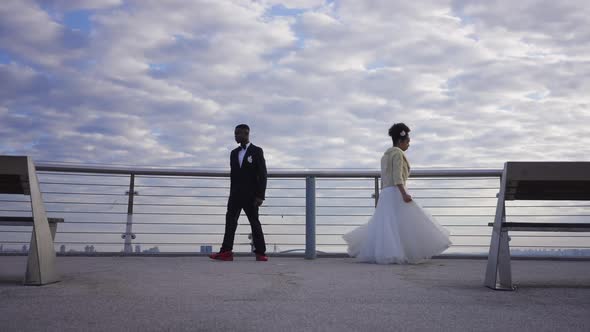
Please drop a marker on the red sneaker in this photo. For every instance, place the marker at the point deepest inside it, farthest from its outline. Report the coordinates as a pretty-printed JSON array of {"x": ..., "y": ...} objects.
[
  {"x": 261, "y": 258},
  {"x": 223, "y": 256}
]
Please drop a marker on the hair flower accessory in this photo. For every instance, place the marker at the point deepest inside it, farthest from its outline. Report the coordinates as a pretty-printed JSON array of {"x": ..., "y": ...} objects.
[{"x": 402, "y": 133}]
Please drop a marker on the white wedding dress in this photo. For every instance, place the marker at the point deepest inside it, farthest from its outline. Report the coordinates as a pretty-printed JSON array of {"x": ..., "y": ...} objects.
[{"x": 397, "y": 233}]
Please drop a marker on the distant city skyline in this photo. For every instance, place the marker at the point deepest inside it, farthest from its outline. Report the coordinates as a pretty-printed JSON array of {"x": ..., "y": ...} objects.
[{"x": 563, "y": 252}]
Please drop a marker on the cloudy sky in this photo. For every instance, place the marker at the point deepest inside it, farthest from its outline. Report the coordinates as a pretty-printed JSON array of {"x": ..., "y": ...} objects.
[{"x": 163, "y": 83}]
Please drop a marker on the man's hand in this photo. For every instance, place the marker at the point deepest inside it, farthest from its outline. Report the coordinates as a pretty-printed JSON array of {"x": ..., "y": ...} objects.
[{"x": 258, "y": 201}]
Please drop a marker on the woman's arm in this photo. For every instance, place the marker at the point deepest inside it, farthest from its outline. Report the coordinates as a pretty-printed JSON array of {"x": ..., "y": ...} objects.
[
  {"x": 407, "y": 198},
  {"x": 398, "y": 164}
]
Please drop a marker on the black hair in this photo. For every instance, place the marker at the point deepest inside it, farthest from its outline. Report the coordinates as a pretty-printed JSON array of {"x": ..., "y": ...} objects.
[
  {"x": 243, "y": 126},
  {"x": 396, "y": 132}
]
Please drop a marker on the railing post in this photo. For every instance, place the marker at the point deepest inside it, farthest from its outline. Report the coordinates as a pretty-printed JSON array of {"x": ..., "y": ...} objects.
[
  {"x": 128, "y": 235},
  {"x": 310, "y": 248},
  {"x": 376, "y": 191}
]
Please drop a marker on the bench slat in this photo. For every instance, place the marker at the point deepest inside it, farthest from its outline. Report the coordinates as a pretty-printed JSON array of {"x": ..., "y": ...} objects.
[
  {"x": 544, "y": 227},
  {"x": 22, "y": 221}
]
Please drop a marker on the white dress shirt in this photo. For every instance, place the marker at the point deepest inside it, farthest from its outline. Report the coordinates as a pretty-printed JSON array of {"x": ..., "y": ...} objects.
[{"x": 242, "y": 153}]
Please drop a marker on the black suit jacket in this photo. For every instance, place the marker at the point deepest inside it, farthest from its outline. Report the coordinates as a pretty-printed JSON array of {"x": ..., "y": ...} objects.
[{"x": 248, "y": 181}]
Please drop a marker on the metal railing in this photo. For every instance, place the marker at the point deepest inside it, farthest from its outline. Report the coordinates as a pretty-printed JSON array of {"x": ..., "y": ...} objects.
[{"x": 117, "y": 208}]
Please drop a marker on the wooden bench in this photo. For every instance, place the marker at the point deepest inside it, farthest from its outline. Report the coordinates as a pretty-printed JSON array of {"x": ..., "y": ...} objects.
[
  {"x": 19, "y": 177},
  {"x": 532, "y": 181}
]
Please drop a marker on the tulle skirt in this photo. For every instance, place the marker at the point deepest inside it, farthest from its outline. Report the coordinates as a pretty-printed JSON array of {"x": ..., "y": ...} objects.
[{"x": 397, "y": 233}]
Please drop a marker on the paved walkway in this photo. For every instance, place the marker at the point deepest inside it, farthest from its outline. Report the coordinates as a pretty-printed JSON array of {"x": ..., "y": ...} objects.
[{"x": 292, "y": 294}]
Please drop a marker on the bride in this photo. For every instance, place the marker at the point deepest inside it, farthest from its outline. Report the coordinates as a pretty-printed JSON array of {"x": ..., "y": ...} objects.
[{"x": 399, "y": 231}]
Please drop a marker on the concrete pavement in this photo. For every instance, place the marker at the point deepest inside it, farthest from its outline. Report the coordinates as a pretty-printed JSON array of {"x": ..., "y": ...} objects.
[{"x": 292, "y": 294}]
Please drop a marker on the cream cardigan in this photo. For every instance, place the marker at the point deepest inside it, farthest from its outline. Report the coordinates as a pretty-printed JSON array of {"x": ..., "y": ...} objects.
[{"x": 395, "y": 168}]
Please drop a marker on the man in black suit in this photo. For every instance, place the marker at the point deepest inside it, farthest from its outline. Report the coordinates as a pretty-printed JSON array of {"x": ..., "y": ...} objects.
[{"x": 247, "y": 188}]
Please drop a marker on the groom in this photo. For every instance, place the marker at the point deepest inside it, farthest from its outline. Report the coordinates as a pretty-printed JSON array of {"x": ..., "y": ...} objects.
[{"x": 248, "y": 184}]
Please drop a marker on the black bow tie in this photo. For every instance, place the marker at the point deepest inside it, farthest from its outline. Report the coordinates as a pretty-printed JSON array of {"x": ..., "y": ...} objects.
[{"x": 244, "y": 147}]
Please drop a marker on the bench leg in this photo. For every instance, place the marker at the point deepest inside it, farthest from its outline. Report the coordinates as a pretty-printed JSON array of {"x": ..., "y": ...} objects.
[
  {"x": 499, "y": 263},
  {"x": 499, "y": 255},
  {"x": 491, "y": 276},
  {"x": 53, "y": 230},
  {"x": 504, "y": 268},
  {"x": 41, "y": 262},
  {"x": 40, "y": 269}
]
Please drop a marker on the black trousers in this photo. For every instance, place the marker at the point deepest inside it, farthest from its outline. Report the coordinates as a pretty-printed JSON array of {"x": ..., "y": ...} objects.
[{"x": 234, "y": 206}]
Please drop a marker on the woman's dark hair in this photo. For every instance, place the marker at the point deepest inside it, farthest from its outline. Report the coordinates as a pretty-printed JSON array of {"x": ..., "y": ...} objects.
[{"x": 399, "y": 132}]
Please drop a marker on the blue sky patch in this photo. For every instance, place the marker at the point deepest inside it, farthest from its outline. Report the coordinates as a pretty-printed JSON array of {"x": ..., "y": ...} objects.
[
  {"x": 158, "y": 66},
  {"x": 280, "y": 10},
  {"x": 376, "y": 65},
  {"x": 78, "y": 20},
  {"x": 4, "y": 57},
  {"x": 539, "y": 95}
]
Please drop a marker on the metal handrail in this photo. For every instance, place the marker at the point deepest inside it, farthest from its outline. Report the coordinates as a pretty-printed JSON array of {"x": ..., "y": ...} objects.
[
  {"x": 417, "y": 173},
  {"x": 323, "y": 194}
]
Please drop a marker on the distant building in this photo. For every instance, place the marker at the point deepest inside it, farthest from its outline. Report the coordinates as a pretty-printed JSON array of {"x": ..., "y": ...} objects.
[
  {"x": 152, "y": 250},
  {"x": 62, "y": 249},
  {"x": 137, "y": 248},
  {"x": 25, "y": 249},
  {"x": 206, "y": 249}
]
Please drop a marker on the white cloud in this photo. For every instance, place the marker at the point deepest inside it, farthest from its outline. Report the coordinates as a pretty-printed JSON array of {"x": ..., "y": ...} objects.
[
  {"x": 164, "y": 82},
  {"x": 27, "y": 31}
]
